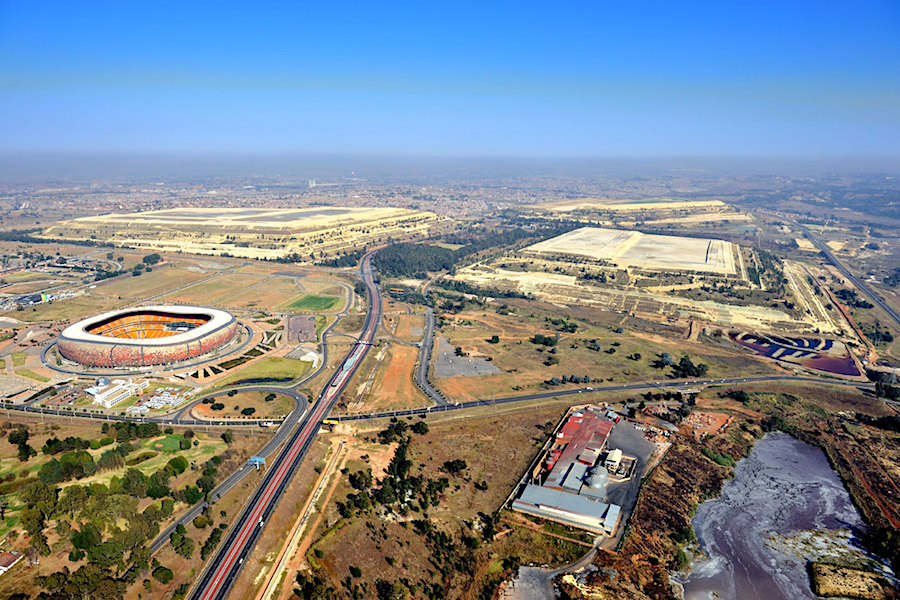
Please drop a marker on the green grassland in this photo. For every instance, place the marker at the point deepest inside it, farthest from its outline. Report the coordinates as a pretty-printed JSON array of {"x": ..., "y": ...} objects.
[
  {"x": 310, "y": 302},
  {"x": 268, "y": 368}
]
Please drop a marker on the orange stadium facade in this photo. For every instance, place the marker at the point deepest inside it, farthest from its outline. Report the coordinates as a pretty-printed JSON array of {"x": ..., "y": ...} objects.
[{"x": 153, "y": 335}]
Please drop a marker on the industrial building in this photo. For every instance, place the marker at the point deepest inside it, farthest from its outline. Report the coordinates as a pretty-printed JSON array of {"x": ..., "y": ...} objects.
[{"x": 573, "y": 491}]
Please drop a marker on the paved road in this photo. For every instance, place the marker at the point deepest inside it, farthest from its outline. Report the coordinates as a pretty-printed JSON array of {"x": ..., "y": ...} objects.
[
  {"x": 222, "y": 570},
  {"x": 425, "y": 360},
  {"x": 674, "y": 383},
  {"x": 853, "y": 278}
]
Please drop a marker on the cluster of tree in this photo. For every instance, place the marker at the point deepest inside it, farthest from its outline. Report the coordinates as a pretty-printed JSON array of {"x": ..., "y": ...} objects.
[
  {"x": 667, "y": 395},
  {"x": 888, "y": 423},
  {"x": 19, "y": 437},
  {"x": 55, "y": 445},
  {"x": 348, "y": 259},
  {"x": 662, "y": 361},
  {"x": 562, "y": 324},
  {"x": 483, "y": 292},
  {"x": 24, "y": 236},
  {"x": 852, "y": 299},
  {"x": 215, "y": 536},
  {"x": 408, "y": 296},
  {"x": 544, "y": 340},
  {"x": 397, "y": 429},
  {"x": 739, "y": 395},
  {"x": 877, "y": 334},
  {"x": 893, "y": 280},
  {"x": 414, "y": 260},
  {"x": 126, "y": 431},
  {"x": 181, "y": 543},
  {"x": 885, "y": 390},
  {"x": 687, "y": 369},
  {"x": 720, "y": 458},
  {"x": 151, "y": 259},
  {"x": 568, "y": 379}
]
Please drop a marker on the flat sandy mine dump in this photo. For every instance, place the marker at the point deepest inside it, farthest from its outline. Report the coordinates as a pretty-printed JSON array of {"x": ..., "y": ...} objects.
[
  {"x": 643, "y": 251},
  {"x": 312, "y": 233}
]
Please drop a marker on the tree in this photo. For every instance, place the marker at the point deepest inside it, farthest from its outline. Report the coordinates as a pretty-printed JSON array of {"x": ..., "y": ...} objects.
[
  {"x": 495, "y": 339},
  {"x": 163, "y": 574},
  {"x": 228, "y": 437},
  {"x": 455, "y": 466}
]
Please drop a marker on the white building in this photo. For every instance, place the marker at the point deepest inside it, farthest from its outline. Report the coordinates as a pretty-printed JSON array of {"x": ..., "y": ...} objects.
[{"x": 108, "y": 394}]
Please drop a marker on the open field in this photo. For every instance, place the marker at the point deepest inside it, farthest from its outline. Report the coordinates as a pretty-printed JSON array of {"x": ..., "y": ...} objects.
[
  {"x": 643, "y": 251},
  {"x": 77, "y": 307},
  {"x": 523, "y": 364},
  {"x": 150, "y": 284},
  {"x": 267, "y": 293},
  {"x": 311, "y": 303},
  {"x": 211, "y": 290},
  {"x": 233, "y": 405},
  {"x": 310, "y": 233},
  {"x": 496, "y": 451},
  {"x": 274, "y": 368},
  {"x": 393, "y": 385}
]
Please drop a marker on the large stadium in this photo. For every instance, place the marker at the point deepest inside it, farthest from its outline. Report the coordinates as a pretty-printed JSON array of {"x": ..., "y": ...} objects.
[{"x": 142, "y": 337}]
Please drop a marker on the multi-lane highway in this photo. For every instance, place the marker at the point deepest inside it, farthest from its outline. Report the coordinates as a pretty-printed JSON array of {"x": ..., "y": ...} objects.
[
  {"x": 859, "y": 283},
  {"x": 217, "y": 579}
]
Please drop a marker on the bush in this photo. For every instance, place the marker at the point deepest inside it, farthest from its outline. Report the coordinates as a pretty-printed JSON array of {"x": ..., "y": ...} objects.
[
  {"x": 200, "y": 522},
  {"x": 163, "y": 574}
]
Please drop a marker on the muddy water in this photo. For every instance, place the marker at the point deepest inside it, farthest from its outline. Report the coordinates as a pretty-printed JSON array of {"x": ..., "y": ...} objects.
[{"x": 782, "y": 487}]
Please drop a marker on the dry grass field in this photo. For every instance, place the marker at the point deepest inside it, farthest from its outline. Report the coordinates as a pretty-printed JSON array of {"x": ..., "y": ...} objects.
[
  {"x": 278, "y": 407},
  {"x": 497, "y": 450},
  {"x": 393, "y": 385},
  {"x": 211, "y": 290},
  {"x": 524, "y": 365},
  {"x": 77, "y": 307},
  {"x": 150, "y": 284}
]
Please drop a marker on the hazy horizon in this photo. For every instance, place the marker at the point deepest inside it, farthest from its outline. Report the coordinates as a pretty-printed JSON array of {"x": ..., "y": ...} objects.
[{"x": 584, "y": 80}]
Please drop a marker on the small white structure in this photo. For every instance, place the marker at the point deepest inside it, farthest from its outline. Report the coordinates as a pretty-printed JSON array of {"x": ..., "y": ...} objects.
[
  {"x": 613, "y": 459},
  {"x": 108, "y": 394}
]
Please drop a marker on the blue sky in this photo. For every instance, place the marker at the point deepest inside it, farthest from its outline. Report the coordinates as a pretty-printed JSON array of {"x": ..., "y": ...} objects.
[{"x": 479, "y": 79}]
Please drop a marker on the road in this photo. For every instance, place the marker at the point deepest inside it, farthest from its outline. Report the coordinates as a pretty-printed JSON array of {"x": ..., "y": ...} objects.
[
  {"x": 222, "y": 570},
  {"x": 826, "y": 251},
  {"x": 673, "y": 383},
  {"x": 425, "y": 360}
]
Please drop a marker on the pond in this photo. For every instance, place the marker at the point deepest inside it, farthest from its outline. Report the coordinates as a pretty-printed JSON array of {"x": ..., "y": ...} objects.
[{"x": 784, "y": 507}]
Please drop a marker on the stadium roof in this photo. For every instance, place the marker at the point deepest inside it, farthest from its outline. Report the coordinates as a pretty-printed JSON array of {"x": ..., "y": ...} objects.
[{"x": 218, "y": 319}]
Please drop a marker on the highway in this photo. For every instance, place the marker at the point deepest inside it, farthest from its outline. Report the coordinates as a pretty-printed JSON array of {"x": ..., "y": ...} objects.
[
  {"x": 222, "y": 570},
  {"x": 672, "y": 383},
  {"x": 826, "y": 251}
]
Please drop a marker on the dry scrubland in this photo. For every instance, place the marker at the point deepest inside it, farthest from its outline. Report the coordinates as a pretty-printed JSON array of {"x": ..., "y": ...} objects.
[
  {"x": 496, "y": 451},
  {"x": 311, "y": 233},
  {"x": 523, "y": 363}
]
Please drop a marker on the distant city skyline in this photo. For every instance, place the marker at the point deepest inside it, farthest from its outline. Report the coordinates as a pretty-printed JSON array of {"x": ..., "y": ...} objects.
[{"x": 463, "y": 79}]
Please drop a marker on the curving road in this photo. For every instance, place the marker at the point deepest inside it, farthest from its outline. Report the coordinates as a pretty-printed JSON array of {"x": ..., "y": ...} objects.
[
  {"x": 217, "y": 579},
  {"x": 604, "y": 388}
]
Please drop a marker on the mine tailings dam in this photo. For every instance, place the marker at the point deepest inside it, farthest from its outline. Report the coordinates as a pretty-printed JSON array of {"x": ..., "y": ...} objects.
[{"x": 784, "y": 507}]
